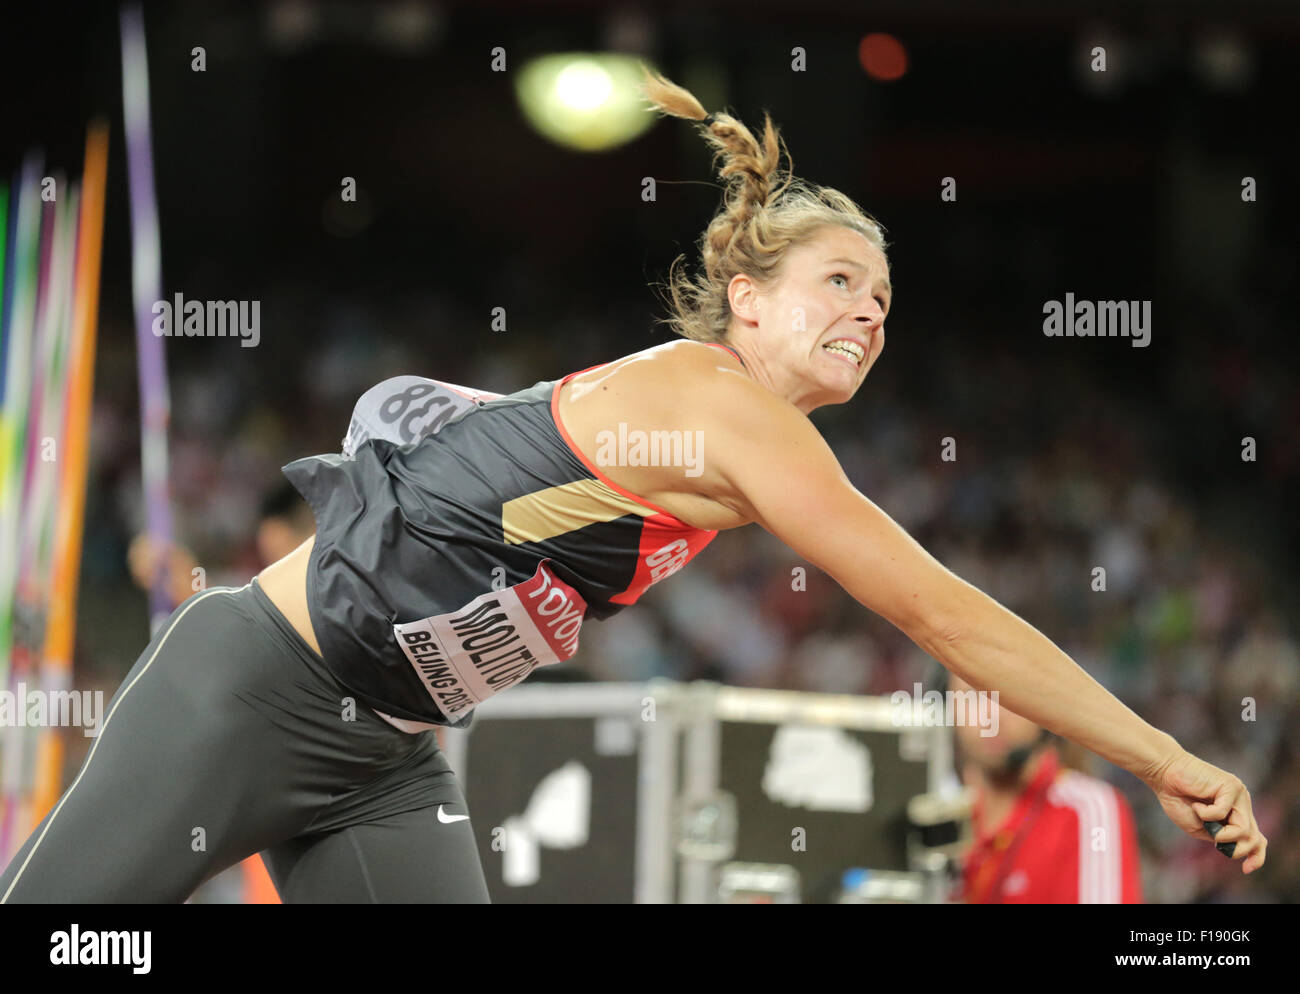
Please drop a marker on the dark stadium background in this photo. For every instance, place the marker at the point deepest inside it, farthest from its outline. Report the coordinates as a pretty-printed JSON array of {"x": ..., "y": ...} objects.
[{"x": 1071, "y": 452}]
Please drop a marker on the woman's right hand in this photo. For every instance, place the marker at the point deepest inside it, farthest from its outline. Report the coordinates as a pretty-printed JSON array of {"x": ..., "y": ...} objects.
[{"x": 1193, "y": 792}]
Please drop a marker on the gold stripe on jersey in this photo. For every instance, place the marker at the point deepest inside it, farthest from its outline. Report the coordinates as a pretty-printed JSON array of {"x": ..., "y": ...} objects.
[{"x": 558, "y": 510}]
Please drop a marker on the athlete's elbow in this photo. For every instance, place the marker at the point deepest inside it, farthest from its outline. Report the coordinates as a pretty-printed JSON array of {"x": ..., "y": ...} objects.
[
  {"x": 938, "y": 635},
  {"x": 927, "y": 623},
  {"x": 929, "y": 604},
  {"x": 947, "y": 631},
  {"x": 943, "y": 622}
]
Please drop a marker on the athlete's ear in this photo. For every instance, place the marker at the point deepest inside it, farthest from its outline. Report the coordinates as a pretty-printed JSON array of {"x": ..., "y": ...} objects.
[{"x": 742, "y": 296}]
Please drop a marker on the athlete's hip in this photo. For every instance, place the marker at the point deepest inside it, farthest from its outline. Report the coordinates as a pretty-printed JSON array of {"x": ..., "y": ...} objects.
[{"x": 229, "y": 661}]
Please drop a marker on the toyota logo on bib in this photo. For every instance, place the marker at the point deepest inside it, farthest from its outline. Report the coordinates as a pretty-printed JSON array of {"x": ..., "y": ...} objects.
[{"x": 464, "y": 657}]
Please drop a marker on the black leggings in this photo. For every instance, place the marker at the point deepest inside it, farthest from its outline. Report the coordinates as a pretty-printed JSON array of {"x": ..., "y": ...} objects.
[{"x": 230, "y": 737}]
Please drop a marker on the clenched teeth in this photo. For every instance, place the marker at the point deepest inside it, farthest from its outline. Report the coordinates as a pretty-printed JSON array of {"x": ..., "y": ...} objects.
[{"x": 852, "y": 349}]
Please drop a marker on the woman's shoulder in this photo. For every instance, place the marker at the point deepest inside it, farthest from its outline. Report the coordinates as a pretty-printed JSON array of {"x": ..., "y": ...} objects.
[
  {"x": 677, "y": 361},
  {"x": 679, "y": 382},
  {"x": 674, "y": 376},
  {"x": 707, "y": 354}
]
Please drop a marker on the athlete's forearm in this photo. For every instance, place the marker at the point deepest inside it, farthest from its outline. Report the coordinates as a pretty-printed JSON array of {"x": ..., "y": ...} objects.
[{"x": 993, "y": 649}]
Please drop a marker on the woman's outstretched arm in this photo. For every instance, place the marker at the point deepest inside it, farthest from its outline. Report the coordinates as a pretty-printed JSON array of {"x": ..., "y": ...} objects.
[{"x": 767, "y": 461}]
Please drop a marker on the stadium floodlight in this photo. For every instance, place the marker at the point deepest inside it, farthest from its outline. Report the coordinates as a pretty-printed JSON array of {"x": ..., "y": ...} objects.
[{"x": 584, "y": 101}]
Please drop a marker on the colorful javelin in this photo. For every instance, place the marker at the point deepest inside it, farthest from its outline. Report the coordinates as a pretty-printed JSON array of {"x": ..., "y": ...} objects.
[
  {"x": 17, "y": 328},
  {"x": 155, "y": 406},
  {"x": 74, "y": 457}
]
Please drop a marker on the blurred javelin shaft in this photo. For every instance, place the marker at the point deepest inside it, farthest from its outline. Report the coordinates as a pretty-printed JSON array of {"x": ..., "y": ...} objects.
[
  {"x": 16, "y": 330},
  {"x": 146, "y": 282}
]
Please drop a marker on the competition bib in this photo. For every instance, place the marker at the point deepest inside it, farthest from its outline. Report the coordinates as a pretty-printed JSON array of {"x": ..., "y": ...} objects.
[
  {"x": 464, "y": 657},
  {"x": 407, "y": 408}
]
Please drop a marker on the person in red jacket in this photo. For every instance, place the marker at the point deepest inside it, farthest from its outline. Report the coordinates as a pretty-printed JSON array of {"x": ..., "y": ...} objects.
[{"x": 1043, "y": 833}]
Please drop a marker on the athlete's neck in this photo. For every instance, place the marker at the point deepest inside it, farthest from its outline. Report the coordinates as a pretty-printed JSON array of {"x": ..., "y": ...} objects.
[{"x": 773, "y": 378}]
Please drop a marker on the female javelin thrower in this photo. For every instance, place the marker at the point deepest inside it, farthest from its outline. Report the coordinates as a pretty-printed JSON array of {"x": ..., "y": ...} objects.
[{"x": 290, "y": 716}]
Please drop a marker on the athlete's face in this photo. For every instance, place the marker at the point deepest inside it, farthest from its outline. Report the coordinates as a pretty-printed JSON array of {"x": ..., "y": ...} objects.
[{"x": 833, "y": 290}]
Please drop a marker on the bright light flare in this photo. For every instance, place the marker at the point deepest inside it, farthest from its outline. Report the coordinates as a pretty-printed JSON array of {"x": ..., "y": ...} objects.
[{"x": 585, "y": 101}]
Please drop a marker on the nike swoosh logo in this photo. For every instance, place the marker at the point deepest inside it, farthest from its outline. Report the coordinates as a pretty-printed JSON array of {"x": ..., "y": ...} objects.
[{"x": 448, "y": 819}]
